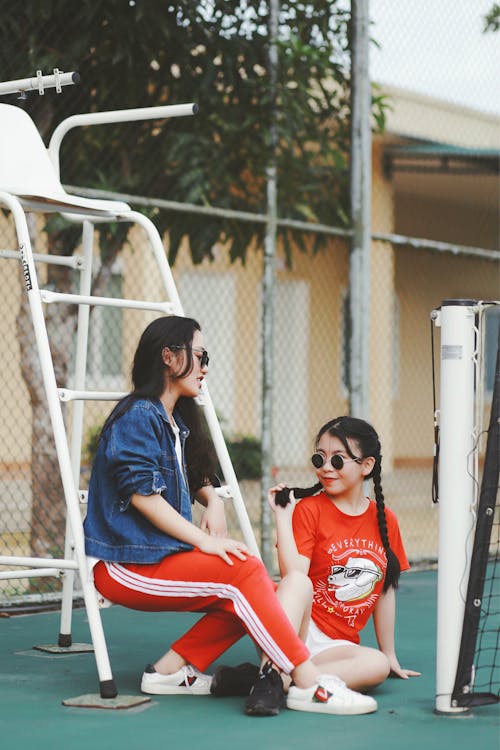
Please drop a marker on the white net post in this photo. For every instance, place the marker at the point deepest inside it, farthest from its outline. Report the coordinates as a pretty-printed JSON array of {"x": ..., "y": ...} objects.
[{"x": 456, "y": 488}]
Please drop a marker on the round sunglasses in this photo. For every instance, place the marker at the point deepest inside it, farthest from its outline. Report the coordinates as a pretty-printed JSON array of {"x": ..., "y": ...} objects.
[{"x": 318, "y": 460}]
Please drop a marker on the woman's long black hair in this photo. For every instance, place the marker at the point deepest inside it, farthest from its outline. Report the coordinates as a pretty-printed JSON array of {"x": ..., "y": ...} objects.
[
  {"x": 368, "y": 443},
  {"x": 148, "y": 379}
]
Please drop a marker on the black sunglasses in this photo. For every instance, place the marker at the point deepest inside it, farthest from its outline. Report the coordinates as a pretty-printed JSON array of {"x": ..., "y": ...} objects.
[
  {"x": 318, "y": 460},
  {"x": 204, "y": 360}
]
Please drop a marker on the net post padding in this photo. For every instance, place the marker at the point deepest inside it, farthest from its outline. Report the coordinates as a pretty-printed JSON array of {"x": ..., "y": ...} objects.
[
  {"x": 457, "y": 320},
  {"x": 463, "y": 692}
]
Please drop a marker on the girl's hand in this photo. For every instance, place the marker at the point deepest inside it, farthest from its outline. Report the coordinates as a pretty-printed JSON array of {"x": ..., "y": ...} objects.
[
  {"x": 277, "y": 508},
  {"x": 398, "y": 671},
  {"x": 224, "y": 547},
  {"x": 213, "y": 519}
]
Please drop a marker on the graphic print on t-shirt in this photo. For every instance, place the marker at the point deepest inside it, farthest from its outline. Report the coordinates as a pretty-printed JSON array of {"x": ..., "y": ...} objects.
[
  {"x": 356, "y": 566},
  {"x": 355, "y": 580}
]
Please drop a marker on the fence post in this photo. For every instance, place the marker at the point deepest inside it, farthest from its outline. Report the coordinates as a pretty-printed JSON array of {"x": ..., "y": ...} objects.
[
  {"x": 268, "y": 303},
  {"x": 360, "y": 189}
]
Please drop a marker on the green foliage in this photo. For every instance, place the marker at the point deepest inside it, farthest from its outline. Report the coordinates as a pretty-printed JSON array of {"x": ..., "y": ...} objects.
[
  {"x": 380, "y": 106},
  {"x": 215, "y": 53},
  {"x": 492, "y": 18},
  {"x": 90, "y": 444},
  {"x": 245, "y": 452}
]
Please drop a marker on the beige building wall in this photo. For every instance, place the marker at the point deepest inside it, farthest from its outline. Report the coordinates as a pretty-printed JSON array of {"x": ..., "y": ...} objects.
[
  {"x": 245, "y": 282},
  {"x": 326, "y": 273},
  {"x": 423, "y": 281},
  {"x": 461, "y": 221},
  {"x": 326, "y": 276}
]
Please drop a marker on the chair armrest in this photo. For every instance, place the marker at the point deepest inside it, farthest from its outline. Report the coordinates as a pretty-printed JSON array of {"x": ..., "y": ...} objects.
[{"x": 114, "y": 116}]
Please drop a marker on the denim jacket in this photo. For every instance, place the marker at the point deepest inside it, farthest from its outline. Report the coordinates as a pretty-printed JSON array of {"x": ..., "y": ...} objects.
[{"x": 136, "y": 454}]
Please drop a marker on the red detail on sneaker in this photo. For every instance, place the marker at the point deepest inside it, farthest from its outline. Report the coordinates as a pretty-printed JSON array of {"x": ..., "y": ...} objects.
[
  {"x": 321, "y": 695},
  {"x": 190, "y": 679}
]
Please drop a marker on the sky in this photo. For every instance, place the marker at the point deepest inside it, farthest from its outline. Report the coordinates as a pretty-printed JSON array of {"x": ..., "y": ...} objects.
[{"x": 436, "y": 47}]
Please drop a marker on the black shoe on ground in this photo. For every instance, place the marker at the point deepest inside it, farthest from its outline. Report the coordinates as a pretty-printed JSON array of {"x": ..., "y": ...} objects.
[
  {"x": 234, "y": 680},
  {"x": 267, "y": 695}
]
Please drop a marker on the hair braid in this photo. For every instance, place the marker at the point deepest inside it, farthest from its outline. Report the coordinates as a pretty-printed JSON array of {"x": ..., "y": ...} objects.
[
  {"x": 393, "y": 567},
  {"x": 282, "y": 497}
]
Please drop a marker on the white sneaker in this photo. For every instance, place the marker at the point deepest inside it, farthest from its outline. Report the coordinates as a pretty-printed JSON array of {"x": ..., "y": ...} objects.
[
  {"x": 330, "y": 696},
  {"x": 187, "y": 681}
]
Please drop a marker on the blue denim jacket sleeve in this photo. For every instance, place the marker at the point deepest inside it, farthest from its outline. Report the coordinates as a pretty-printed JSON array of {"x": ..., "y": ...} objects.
[
  {"x": 135, "y": 457},
  {"x": 136, "y": 454}
]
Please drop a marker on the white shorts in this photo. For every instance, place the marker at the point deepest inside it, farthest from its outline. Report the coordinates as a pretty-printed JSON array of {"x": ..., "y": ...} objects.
[{"x": 317, "y": 641}]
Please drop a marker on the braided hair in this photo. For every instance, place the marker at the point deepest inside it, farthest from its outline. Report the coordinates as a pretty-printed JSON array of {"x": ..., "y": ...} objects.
[{"x": 368, "y": 443}]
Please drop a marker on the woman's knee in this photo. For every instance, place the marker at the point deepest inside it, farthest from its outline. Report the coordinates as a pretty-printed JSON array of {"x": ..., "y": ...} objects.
[
  {"x": 250, "y": 570},
  {"x": 380, "y": 667}
]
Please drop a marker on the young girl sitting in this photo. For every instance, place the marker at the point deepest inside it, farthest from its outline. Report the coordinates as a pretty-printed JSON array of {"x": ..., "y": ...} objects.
[{"x": 351, "y": 548}]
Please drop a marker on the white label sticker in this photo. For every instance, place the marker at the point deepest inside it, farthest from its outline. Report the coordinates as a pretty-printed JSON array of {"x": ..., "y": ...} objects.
[{"x": 451, "y": 351}]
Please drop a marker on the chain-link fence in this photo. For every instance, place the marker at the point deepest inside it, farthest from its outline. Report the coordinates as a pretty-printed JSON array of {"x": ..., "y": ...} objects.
[
  {"x": 309, "y": 384},
  {"x": 311, "y": 341}
]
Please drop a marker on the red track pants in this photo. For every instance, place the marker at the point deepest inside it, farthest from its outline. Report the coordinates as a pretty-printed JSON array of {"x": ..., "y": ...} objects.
[{"x": 237, "y": 599}]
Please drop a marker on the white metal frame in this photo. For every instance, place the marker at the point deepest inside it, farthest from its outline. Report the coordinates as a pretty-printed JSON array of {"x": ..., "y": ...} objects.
[{"x": 90, "y": 212}]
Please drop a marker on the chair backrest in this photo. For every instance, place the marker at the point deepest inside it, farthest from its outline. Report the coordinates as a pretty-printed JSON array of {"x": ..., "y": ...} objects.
[{"x": 25, "y": 166}]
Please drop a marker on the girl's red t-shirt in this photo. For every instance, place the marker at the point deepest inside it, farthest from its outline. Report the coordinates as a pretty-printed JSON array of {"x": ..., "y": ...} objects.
[{"x": 348, "y": 562}]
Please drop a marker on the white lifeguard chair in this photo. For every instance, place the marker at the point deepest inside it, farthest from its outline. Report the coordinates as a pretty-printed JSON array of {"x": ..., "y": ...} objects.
[{"x": 29, "y": 181}]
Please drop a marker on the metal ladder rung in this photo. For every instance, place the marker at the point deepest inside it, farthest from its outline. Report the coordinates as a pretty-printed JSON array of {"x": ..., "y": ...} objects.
[
  {"x": 66, "y": 394},
  {"x": 30, "y": 573},
  {"x": 81, "y": 299},
  {"x": 73, "y": 261},
  {"x": 58, "y": 564}
]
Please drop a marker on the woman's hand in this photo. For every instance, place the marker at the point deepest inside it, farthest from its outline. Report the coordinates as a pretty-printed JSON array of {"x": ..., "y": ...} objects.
[
  {"x": 213, "y": 519},
  {"x": 398, "y": 671},
  {"x": 277, "y": 507},
  {"x": 224, "y": 547}
]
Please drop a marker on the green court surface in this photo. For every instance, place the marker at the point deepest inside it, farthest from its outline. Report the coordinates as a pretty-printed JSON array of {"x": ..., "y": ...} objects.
[{"x": 33, "y": 685}]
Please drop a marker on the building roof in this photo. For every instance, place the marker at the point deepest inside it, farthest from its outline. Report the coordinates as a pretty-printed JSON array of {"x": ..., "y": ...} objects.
[
  {"x": 442, "y": 158},
  {"x": 431, "y": 121}
]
